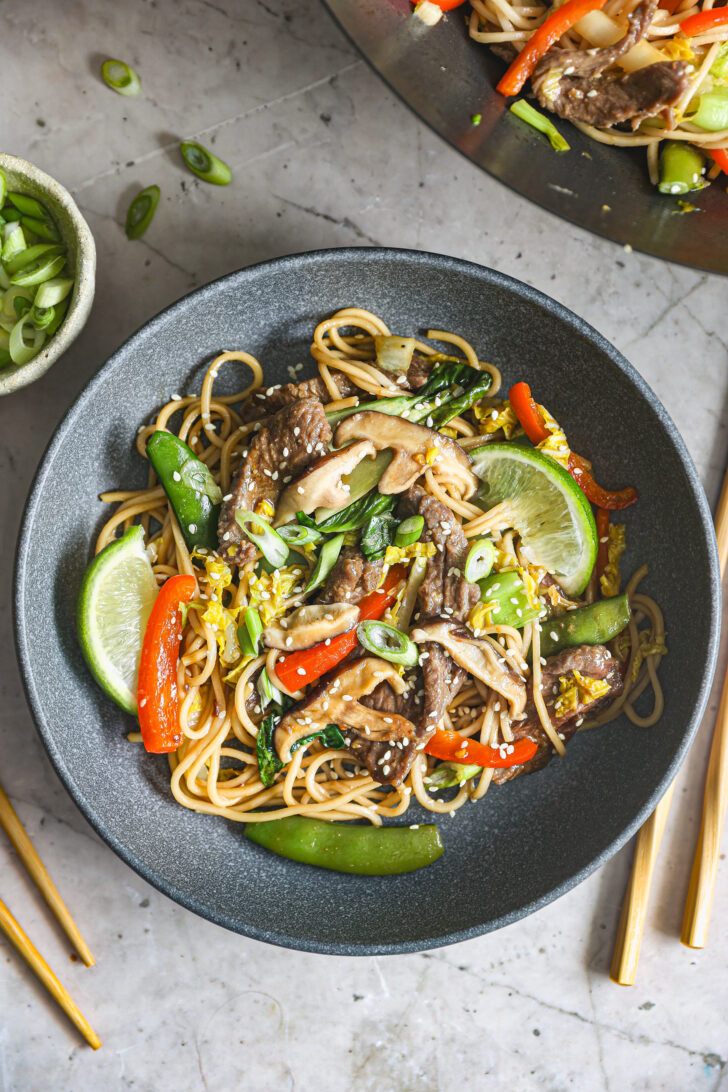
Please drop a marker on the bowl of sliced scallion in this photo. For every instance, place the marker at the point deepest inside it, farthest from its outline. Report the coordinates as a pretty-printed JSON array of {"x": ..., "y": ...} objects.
[{"x": 47, "y": 272}]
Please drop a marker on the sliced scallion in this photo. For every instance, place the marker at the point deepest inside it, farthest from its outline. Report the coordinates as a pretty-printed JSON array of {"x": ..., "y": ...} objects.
[
  {"x": 296, "y": 535},
  {"x": 326, "y": 560},
  {"x": 121, "y": 77},
  {"x": 3, "y": 189},
  {"x": 205, "y": 164},
  {"x": 20, "y": 350},
  {"x": 28, "y": 206},
  {"x": 249, "y": 632},
  {"x": 40, "y": 270},
  {"x": 60, "y": 313},
  {"x": 267, "y": 691},
  {"x": 13, "y": 241},
  {"x": 526, "y": 112},
  {"x": 479, "y": 561},
  {"x": 388, "y": 642},
  {"x": 32, "y": 254},
  {"x": 409, "y": 531},
  {"x": 53, "y": 291},
  {"x": 262, "y": 535},
  {"x": 44, "y": 229},
  {"x": 21, "y": 306},
  {"x": 42, "y": 317},
  {"x": 11, "y": 214},
  {"x": 141, "y": 211}
]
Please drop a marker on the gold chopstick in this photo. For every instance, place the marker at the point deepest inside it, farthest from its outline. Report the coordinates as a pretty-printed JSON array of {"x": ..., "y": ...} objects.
[
  {"x": 705, "y": 863},
  {"x": 26, "y": 851},
  {"x": 35, "y": 961}
]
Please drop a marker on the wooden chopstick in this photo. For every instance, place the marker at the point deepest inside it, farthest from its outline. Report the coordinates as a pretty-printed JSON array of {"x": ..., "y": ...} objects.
[
  {"x": 634, "y": 907},
  {"x": 705, "y": 864},
  {"x": 707, "y": 852},
  {"x": 35, "y": 960},
  {"x": 26, "y": 851}
]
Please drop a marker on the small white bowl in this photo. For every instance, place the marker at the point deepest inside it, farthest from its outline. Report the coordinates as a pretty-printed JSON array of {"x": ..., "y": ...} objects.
[{"x": 23, "y": 177}]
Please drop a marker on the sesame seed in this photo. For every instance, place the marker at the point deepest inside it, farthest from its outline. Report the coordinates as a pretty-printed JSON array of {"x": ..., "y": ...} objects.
[
  {"x": 177, "y": 476},
  {"x": 385, "y": 770},
  {"x": 301, "y": 671},
  {"x": 553, "y": 635},
  {"x": 192, "y": 527},
  {"x": 299, "y": 489}
]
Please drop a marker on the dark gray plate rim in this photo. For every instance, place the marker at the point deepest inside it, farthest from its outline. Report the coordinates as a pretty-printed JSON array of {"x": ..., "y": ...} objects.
[
  {"x": 45, "y": 729},
  {"x": 562, "y": 214}
]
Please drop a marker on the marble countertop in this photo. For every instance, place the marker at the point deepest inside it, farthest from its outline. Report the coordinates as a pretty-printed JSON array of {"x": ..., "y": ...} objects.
[{"x": 323, "y": 155}]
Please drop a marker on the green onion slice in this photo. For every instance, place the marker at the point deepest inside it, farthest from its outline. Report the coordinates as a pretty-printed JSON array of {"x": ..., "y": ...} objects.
[
  {"x": 43, "y": 269},
  {"x": 267, "y": 691},
  {"x": 28, "y": 206},
  {"x": 387, "y": 641},
  {"x": 21, "y": 351},
  {"x": 326, "y": 560},
  {"x": 262, "y": 535},
  {"x": 249, "y": 632},
  {"x": 296, "y": 535},
  {"x": 44, "y": 229},
  {"x": 13, "y": 241},
  {"x": 479, "y": 561},
  {"x": 409, "y": 531},
  {"x": 11, "y": 214},
  {"x": 3, "y": 188},
  {"x": 21, "y": 306},
  {"x": 42, "y": 317},
  {"x": 32, "y": 254},
  {"x": 141, "y": 211},
  {"x": 449, "y": 774},
  {"x": 121, "y": 77},
  {"x": 526, "y": 112},
  {"x": 53, "y": 291},
  {"x": 204, "y": 164}
]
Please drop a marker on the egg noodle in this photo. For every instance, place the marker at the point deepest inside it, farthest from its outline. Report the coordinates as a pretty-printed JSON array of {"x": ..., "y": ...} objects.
[
  {"x": 215, "y": 770},
  {"x": 514, "y": 21}
]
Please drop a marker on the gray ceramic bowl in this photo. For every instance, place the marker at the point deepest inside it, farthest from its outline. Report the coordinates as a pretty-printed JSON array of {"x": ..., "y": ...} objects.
[
  {"x": 23, "y": 177},
  {"x": 523, "y": 844}
]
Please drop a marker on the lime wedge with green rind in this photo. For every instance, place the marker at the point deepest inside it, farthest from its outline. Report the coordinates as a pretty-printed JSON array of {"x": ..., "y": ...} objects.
[
  {"x": 114, "y": 604},
  {"x": 550, "y": 511}
]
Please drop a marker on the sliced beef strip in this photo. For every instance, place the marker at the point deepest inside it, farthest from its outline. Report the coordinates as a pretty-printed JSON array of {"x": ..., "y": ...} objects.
[
  {"x": 351, "y": 578},
  {"x": 575, "y": 83},
  {"x": 444, "y": 591},
  {"x": 265, "y": 402},
  {"x": 593, "y": 661},
  {"x": 302, "y": 430}
]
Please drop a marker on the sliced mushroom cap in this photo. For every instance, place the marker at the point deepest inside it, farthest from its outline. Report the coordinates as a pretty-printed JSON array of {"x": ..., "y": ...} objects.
[
  {"x": 309, "y": 625},
  {"x": 338, "y": 703},
  {"x": 321, "y": 486},
  {"x": 479, "y": 658},
  {"x": 415, "y": 448}
]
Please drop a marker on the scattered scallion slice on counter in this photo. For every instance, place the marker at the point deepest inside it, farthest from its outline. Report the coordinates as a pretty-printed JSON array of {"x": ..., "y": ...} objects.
[
  {"x": 204, "y": 164},
  {"x": 536, "y": 120},
  {"x": 388, "y": 642},
  {"x": 121, "y": 77},
  {"x": 33, "y": 298},
  {"x": 141, "y": 211}
]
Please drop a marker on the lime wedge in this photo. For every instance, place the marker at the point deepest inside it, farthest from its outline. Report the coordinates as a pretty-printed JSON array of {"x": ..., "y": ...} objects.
[
  {"x": 114, "y": 605},
  {"x": 550, "y": 512}
]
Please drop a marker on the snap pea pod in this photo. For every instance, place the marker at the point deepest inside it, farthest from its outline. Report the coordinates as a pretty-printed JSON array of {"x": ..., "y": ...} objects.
[
  {"x": 505, "y": 593},
  {"x": 193, "y": 492},
  {"x": 365, "y": 851},
  {"x": 593, "y": 624}
]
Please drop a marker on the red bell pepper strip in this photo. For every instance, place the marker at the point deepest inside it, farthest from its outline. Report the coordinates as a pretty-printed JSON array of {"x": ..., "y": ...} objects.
[
  {"x": 527, "y": 413},
  {"x": 704, "y": 20},
  {"x": 448, "y": 5},
  {"x": 298, "y": 669},
  {"x": 603, "y": 538},
  {"x": 720, "y": 155},
  {"x": 612, "y": 499},
  {"x": 157, "y": 692},
  {"x": 540, "y": 42},
  {"x": 452, "y": 747}
]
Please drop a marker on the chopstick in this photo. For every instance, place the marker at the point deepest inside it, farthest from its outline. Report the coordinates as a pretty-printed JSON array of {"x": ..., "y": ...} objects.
[
  {"x": 715, "y": 801},
  {"x": 634, "y": 908},
  {"x": 705, "y": 864},
  {"x": 35, "y": 960},
  {"x": 28, "y": 855}
]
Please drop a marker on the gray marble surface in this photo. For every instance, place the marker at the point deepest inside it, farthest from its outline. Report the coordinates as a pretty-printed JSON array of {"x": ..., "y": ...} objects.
[{"x": 323, "y": 155}]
